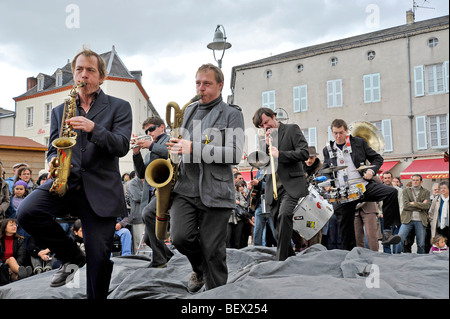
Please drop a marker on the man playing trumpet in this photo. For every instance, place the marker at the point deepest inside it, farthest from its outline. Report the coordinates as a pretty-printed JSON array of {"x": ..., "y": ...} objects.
[{"x": 156, "y": 129}]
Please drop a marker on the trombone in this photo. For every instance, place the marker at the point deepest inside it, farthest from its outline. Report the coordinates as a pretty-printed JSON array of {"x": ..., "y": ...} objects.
[{"x": 259, "y": 159}]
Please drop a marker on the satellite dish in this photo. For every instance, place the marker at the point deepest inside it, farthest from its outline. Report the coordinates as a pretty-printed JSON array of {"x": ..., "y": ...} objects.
[{"x": 282, "y": 115}]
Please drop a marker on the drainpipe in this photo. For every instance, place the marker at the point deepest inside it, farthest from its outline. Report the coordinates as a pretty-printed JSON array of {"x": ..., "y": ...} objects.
[{"x": 411, "y": 115}]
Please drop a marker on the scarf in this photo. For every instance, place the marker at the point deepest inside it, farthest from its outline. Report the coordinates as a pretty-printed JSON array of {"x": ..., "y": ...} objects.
[{"x": 444, "y": 212}]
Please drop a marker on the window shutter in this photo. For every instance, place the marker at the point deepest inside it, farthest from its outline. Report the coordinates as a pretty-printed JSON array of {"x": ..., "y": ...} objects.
[
  {"x": 421, "y": 133},
  {"x": 418, "y": 80},
  {"x": 303, "y": 98},
  {"x": 338, "y": 92},
  {"x": 446, "y": 75},
  {"x": 376, "y": 87},
  {"x": 330, "y": 93},
  {"x": 387, "y": 134},
  {"x": 312, "y": 133},
  {"x": 297, "y": 103},
  {"x": 367, "y": 89}
]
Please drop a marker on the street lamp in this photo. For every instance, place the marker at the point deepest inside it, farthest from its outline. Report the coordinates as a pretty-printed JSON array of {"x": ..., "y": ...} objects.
[{"x": 219, "y": 43}]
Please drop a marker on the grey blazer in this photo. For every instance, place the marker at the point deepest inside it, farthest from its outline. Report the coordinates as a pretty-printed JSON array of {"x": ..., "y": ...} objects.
[{"x": 216, "y": 149}]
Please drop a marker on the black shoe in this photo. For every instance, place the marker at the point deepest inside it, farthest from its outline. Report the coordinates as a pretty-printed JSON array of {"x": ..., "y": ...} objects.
[
  {"x": 65, "y": 273},
  {"x": 389, "y": 239},
  {"x": 195, "y": 282}
]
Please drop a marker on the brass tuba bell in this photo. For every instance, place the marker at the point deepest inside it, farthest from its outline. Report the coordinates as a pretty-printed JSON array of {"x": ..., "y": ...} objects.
[{"x": 370, "y": 133}]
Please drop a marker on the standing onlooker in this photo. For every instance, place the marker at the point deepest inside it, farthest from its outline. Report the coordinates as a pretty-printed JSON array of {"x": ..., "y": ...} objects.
[
  {"x": 366, "y": 225},
  {"x": 12, "y": 179},
  {"x": 133, "y": 194},
  {"x": 4, "y": 194},
  {"x": 416, "y": 203},
  {"x": 24, "y": 174},
  {"x": 390, "y": 180},
  {"x": 439, "y": 212}
]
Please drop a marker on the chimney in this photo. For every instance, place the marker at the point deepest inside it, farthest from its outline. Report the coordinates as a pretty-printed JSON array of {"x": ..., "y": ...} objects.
[
  {"x": 137, "y": 75},
  {"x": 31, "y": 82},
  {"x": 409, "y": 16}
]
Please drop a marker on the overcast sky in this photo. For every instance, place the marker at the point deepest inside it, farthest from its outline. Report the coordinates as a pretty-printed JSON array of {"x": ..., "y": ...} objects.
[{"x": 167, "y": 40}]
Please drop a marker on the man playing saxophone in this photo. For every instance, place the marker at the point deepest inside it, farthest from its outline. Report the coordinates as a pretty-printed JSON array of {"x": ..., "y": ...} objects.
[
  {"x": 204, "y": 196},
  {"x": 103, "y": 125}
]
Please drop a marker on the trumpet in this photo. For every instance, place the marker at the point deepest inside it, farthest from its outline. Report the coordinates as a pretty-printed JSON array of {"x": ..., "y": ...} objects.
[{"x": 138, "y": 138}]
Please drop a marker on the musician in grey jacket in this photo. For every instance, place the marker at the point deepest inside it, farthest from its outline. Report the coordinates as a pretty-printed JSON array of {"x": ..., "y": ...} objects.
[{"x": 213, "y": 139}]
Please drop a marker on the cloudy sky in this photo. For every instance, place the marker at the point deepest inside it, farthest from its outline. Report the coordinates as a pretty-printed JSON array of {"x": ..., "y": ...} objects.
[{"x": 167, "y": 40}]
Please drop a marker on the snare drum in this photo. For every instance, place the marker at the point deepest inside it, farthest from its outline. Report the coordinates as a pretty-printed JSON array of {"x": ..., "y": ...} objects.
[{"x": 311, "y": 214}]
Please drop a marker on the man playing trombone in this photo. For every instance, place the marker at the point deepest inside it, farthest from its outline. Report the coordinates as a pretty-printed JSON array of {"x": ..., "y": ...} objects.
[{"x": 287, "y": 183}]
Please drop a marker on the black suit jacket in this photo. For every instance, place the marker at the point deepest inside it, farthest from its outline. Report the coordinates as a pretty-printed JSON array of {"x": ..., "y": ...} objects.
[
  {"x": 293, "y": 149},
  {"x": 95, "y": 156},
  {"x": 361, "y": 151}
]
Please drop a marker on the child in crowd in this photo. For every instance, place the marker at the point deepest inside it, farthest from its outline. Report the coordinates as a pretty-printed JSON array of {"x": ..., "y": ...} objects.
[
  {"x": 20, "y": 191},
  {"x": 438, "y": 244}
]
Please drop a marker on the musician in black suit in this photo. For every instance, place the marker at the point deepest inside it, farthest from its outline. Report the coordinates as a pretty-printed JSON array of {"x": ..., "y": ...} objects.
[
  {"x": 95, "y": 194},
  {"x": 289, "y": 149},
  {"x": 353, "y": 151}
]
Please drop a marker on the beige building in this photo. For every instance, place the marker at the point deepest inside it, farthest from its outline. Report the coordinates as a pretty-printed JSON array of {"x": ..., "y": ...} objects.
[
  {"x": 395, "y": 78},
  {"x": 33, "y": 108}
]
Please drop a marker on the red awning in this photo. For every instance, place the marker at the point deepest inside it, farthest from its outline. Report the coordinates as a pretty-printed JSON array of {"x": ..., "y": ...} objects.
[
  {"x": 247, "y": 176},
  {"x": 427, "y": 168},
  {"x": 387, "y": 166}
]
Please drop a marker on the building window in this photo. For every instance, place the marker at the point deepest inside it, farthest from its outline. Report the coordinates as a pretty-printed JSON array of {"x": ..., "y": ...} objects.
[
  {"x": 370, "y": 55},
  {"x": 310, "y": 135},
  {"x": 434, "y": 77},
  {"x": 59, "y": 78},
  {"x": 268, "y": 99},
  {"x": 47, "y": 113},
  {"x": 300, "y": 67},
  {"x": 432, "y": 42},
  {"x": 40, "y": 83},
  {"x": 334, "y": 61},
  {"x": 300, "y": 98},
  {"x": 372, "y": 90},
  {"x": 438, "y": 130},
  {"x": 29, "y": 117},
  {"x": 334, "y": 93},
  {"x": 431, "y": 78},
  {"x": 268, "y": 73},
  {"x": 384, "y": 126}
]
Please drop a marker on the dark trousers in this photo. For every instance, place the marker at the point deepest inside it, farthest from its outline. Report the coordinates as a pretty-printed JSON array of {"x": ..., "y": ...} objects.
[
  {"x": 282, "y": 213},
  {"x": 375, "y": 192},
  {"x": 36, "y": 215},
  {"x": 161, "y": 254},
  {"x": 199, "y": 233}
]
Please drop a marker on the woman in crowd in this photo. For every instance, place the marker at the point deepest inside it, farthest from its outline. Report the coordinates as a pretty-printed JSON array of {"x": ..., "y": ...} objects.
[{"x": 12, "y": 253}]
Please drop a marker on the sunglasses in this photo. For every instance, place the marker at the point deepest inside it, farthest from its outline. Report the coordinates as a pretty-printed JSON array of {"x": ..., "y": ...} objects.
[{"x": 151, "y": 129}]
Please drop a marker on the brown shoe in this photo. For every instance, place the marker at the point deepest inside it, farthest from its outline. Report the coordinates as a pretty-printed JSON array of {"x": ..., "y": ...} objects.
[
  {"x": 195, "y": 282},
  {"x": 389, "y": 239}
]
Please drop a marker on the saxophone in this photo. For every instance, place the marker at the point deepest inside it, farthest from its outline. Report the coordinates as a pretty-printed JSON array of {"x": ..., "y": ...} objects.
[
  {"x": 162, "y": 173},
  {"x": 60, "y": 165}
]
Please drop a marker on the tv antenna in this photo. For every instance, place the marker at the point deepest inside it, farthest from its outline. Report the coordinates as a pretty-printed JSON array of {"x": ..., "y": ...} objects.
[{"x": 416, "y": 6}]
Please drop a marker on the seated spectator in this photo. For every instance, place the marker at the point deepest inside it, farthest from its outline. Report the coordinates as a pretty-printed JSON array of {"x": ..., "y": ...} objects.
[
  {"x": 438, "y": 244},
  {"x": 41, "y": 259},
  {"x": 77, "y": 234},
  {"x": 12, "y": 253},
  {"x": 124, "y": 235}
]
